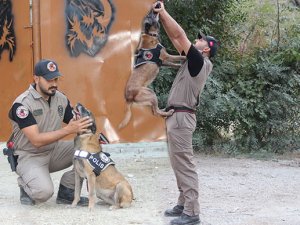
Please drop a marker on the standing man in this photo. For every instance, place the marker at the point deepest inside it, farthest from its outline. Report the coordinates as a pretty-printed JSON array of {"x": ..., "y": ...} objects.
[
  {"x": 37, "y": 116},
  {"x": 183, "y": 98}
]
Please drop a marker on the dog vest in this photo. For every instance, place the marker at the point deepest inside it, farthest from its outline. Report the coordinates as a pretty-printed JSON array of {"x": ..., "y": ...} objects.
[
  {"x": 148, "y": 56},
  {"x": 98, "y": 161}
]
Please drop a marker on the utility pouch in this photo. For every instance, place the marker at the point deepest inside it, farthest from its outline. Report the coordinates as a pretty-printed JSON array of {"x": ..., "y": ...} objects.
[{"x": 12, "y": 159}]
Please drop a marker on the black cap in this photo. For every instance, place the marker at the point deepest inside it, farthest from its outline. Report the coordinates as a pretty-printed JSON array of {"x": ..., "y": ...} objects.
[
  {"x": 211, "y": 41},
  {"x": 47, "y": 68}
]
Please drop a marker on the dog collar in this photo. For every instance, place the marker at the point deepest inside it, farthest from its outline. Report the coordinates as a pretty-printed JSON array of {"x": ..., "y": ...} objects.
[
  {"x": 98, "y": 161},
  {"x": 152, "y": 34}
]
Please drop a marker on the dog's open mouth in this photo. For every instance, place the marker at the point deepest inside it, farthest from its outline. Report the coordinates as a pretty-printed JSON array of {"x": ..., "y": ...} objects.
[{"x": 80, "y": 111}]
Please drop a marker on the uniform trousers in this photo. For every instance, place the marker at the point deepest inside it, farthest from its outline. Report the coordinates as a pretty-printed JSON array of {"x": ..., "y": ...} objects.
[
  {"x": 34, "y": 170},
  {"x": 180, "y": 128}
]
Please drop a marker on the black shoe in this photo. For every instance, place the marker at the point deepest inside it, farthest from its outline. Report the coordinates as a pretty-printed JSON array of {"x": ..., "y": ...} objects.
[
  {"x": 175, "y": 211},
  {"x": 25, "y": 199},
  {"x": 186, "y": 220},
  {"x": 66, "y": 196}
]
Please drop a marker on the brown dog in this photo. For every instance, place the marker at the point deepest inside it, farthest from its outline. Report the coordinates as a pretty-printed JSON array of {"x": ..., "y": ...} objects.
[
  {"x": 151, "y": 55},
  {"x": 104, "y": 180}
]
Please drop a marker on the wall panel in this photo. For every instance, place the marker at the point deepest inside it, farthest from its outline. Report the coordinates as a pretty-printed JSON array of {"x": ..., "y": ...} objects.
[
  {"x": 95, "y": 80},
  {"x": 16, "y": 74}
]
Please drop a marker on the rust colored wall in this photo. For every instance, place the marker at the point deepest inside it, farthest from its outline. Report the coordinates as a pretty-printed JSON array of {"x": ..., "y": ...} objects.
[
  {"x": 97, "y": 81},
  {"x": 16, "y": 75}
]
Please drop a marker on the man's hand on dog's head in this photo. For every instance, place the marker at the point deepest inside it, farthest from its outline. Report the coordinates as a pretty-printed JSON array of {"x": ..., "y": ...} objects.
[{"x": 79, "y": 125}]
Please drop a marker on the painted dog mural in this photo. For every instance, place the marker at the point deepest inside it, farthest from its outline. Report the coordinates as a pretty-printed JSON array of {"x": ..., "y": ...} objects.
[
  {"x": 88, "y": 25},
  {"x": 7, "y": 34}
]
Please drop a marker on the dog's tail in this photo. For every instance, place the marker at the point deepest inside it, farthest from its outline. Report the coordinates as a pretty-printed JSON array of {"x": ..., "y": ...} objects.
[{"x": 127, "y": 117}]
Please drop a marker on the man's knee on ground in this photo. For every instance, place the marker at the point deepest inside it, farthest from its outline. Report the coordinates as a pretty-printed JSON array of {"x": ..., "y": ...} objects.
[{"x": 42, "y": 194}]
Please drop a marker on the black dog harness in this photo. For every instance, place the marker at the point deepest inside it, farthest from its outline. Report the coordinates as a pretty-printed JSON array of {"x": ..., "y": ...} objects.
[
  {"x": 98, "y": 161},
  {"x": 148, "y": 56}
]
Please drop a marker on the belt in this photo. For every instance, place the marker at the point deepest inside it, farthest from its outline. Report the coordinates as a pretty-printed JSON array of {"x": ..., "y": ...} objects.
[{"x": 180, "y": 109}]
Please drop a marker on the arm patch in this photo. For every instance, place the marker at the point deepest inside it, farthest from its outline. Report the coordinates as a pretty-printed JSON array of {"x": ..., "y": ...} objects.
[{"x": 21, "y": 115}]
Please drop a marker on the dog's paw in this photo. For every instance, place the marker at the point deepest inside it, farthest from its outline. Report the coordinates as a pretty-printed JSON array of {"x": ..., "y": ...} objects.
[
  {"x": 71, "y": 206},
  {"x": 113, "y": 207},
  {"x": 164, "y": 113},
  {"x": 91, "y": 208},
  {"x": 170, "y": 112}
]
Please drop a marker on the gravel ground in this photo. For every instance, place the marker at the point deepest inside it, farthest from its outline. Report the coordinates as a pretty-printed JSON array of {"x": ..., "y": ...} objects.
[{"x": 232, "y": 192}]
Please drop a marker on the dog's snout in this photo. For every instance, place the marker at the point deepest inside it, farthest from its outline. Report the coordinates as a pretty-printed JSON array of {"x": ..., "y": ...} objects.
[
  {"x": 152, "y": 17},
  {"x": 151, "y": 22},
  {"x": 83, "y": 112}
]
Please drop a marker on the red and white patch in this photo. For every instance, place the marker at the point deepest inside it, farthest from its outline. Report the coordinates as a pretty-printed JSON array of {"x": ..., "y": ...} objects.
[
  {"x": 22, "y": 112},
  {"x": 147, "y": 55},
  {"x": 51, "y": 66}
]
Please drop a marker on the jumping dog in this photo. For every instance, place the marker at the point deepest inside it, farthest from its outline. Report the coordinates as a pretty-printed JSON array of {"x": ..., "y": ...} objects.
[{"x": 150, "y": 57}]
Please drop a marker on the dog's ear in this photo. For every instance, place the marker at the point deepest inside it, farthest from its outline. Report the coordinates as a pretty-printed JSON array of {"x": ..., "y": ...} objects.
[{"x": 147, "y": 27}]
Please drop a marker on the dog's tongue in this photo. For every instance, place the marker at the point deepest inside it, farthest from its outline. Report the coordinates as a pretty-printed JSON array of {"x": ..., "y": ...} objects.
[{"x": 76, "y": 114}]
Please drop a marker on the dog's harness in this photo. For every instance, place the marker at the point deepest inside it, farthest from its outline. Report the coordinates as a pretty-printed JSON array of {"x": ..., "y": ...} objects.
[
  {"x": 98, "y": 161},
  {"x": 148, "y": 56}
]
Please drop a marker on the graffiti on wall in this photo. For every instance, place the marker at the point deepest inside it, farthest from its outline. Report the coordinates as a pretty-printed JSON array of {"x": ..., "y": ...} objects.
[
  {"x": 7, "y": 34},
  {"x": 88, "y": 25}
]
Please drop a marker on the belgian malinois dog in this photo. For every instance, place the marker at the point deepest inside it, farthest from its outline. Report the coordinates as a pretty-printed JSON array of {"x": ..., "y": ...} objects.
[
  {"x": 151, "y": 55},
  {"x": 103, "y": 179}
]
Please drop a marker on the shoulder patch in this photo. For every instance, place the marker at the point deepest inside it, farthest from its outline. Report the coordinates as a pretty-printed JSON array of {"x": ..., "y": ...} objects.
[
  {"x": 60, "y": 110},
  {"x": 22, "y": 112}
]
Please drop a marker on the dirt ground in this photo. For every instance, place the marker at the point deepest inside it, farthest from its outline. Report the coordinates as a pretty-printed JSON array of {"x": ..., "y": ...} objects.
[{"x": 232, "y": 192}]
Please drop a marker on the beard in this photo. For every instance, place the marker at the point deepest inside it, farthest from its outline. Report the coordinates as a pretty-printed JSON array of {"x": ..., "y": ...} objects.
[{"x": 49, "y": 92}]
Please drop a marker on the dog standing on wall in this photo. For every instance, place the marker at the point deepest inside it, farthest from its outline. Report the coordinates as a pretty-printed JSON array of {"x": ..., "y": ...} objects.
[
  {"x": 104, "y": 180},
  {"x": 151, "y": 55}
]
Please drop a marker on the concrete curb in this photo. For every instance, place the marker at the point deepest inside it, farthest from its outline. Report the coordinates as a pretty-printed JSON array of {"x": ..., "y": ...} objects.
[
  {"x": 136, "y": 150},
  {"x": 132, "y": 150}
]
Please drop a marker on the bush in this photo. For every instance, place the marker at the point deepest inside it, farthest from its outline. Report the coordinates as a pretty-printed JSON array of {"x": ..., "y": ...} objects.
[{"x": 254, "y": 101}]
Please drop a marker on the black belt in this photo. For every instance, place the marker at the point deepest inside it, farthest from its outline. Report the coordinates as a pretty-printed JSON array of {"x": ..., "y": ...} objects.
[{"x": 180, "y": 109}]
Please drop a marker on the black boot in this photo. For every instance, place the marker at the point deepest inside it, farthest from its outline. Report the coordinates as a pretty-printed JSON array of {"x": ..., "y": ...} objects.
[
  {"x": 25, "y": 199},
  {"x": 175, "y": 211},
  {"x": 66, "y": 196},
  {"x": 186, "y": 220}
]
